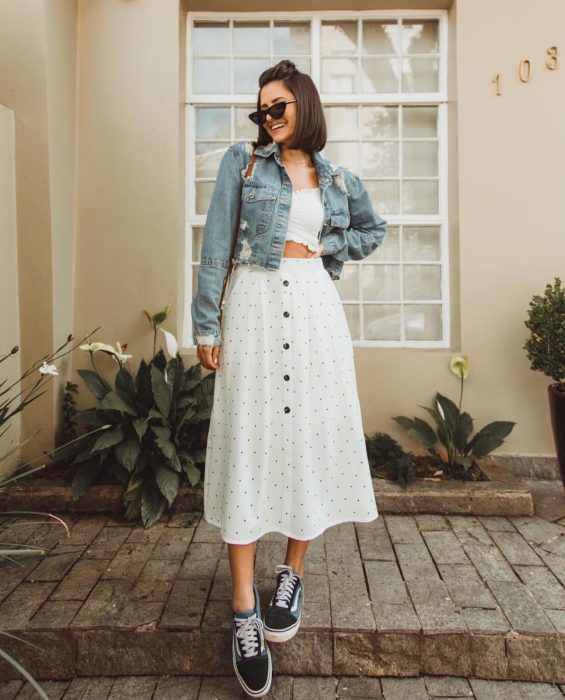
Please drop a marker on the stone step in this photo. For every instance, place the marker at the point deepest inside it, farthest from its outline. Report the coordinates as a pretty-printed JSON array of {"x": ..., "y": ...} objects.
[
  {"x": 402, "y": 596},
  {"x": 422, "y": 496},
  {"x": 285, "y": 687}
]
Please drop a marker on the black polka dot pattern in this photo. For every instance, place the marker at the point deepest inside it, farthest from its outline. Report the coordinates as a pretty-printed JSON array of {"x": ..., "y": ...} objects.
[{"x": 286, "y": 450}]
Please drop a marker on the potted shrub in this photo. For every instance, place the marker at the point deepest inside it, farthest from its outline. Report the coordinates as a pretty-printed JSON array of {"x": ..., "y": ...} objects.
[{"x": 546, "y": 351}]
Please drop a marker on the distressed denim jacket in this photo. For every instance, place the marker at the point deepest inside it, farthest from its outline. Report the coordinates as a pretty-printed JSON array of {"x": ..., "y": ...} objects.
[{"x": 351, "y": 229}]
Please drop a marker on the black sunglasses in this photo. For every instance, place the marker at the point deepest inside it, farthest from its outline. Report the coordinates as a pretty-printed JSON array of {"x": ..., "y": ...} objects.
[{"x": 276, "y": 111}]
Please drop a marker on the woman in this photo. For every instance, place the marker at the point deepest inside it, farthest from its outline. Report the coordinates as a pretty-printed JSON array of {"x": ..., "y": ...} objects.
[{"x": 286, "y": 448}]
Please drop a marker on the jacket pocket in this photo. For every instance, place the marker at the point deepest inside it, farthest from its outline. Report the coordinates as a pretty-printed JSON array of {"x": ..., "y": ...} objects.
[
  {"x": 258, "y": 204},
  {"x": 339, "y": 219}
]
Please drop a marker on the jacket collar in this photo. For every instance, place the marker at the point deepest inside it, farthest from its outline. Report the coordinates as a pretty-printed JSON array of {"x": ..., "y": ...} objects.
[{"x": 326, "y": 169}]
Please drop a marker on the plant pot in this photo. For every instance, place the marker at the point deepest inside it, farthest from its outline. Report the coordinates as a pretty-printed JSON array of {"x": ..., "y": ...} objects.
[{"x": 557, "y": 412}]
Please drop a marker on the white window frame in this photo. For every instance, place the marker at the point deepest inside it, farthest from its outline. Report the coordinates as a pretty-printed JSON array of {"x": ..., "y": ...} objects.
[{"x": 437, "y": 99}]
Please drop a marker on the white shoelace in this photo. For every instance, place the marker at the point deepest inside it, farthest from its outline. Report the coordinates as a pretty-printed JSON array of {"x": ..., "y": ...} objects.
[
  {"x": 247, "y": 629},
  {"x": 286, "y": 586}
]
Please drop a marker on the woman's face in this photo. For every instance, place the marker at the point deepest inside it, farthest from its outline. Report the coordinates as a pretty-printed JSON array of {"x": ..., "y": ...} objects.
[{"x": 271, "y": 93}]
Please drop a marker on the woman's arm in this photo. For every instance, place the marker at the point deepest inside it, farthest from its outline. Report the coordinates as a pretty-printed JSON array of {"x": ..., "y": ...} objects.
[
  {"x": 366, "y": 229},
  {"x": 216, "y": 249}
]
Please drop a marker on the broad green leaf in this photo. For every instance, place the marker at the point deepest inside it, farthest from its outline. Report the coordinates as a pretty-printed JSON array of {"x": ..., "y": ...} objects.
[
  {"x": 161, "y": 391},
  {"x": 97, "y": 385},
  {"x": 85, "y": 476},
  {"x": 140, "y": 426},
  {"x": 450, "y": 410},
  {"x": 127, "y": 452},
  {"x": 193, "y": 473},
  {"x": 108, "y": 439},
  {"x": 152, "y": 504},
  {"x": 168, "y": 482},
  {"x": 114, "y": 401}
]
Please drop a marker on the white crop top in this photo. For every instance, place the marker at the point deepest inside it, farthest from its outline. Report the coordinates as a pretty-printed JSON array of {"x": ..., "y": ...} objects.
[{"x": 305, "y": 217}]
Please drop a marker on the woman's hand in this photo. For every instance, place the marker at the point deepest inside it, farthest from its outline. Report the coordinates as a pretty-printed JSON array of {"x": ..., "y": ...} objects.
[
  {"x": 209, "y": 355},
  {"x": 319, "y": 252}
]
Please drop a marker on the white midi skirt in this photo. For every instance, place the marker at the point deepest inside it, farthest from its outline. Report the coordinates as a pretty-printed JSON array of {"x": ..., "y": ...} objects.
[{"x": 286, "y": 449}]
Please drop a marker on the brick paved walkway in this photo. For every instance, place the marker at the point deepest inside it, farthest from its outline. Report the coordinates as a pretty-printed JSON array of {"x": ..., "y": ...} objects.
[
  {"x": 401, "y": 596},
  {"x": 285, "y": 688}
]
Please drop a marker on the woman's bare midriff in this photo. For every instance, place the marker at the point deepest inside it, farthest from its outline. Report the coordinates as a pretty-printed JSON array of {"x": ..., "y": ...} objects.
[{"x": 294, "y": 249}]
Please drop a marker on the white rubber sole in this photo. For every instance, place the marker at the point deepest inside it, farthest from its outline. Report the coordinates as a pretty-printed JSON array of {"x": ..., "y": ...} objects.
[
  {"x": 277, "y": 636},
  {"x": 257, "y": 693}
]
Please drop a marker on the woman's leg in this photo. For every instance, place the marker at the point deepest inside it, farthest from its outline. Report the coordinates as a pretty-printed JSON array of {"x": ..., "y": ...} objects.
[
  {"x": 242, "y": 560},
  {"x": 295, "y": 553}
]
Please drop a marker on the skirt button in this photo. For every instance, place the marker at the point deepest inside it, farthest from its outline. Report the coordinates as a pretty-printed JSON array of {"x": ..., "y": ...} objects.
[
  {"x": 286, "y": 346},
  {"x": 285, "y": 282},
  {"x": 286, "y": 377},
  {"x": 286, "y": 314},
  {"x": 287, "y": 409}
]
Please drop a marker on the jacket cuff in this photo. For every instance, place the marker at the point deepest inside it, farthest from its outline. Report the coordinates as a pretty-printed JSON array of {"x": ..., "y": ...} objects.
[{"x": 210, "y": 339}]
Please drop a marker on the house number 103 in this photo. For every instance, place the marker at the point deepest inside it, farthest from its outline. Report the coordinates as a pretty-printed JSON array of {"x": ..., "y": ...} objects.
[{"x": 525, "y": 68}]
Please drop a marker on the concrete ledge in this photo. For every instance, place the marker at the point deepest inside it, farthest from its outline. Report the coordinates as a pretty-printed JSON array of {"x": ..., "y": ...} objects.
[
  {"x": 433, "y": 497},
  {"x": 121, "y": 652}
]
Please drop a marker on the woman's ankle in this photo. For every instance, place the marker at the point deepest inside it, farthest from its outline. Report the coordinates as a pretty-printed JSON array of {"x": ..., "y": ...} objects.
[{"x": 245, "y": 601}]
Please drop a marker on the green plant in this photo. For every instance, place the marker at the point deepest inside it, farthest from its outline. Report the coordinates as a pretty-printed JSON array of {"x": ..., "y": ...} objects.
[
  {"x": 384, "y": 451},
  {"x": 158, "y": 421},
  {"x": 454, "y": 429},
  {"x": 10, "y": 552},
  {"x": 546, "y": 321}
]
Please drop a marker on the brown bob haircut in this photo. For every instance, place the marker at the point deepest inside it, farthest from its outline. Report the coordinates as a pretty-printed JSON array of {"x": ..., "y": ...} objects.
[{"x": 311, "y": 132}]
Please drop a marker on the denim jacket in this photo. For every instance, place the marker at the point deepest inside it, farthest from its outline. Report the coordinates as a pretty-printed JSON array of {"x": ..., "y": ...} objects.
[{"x": 351, "y": 230}]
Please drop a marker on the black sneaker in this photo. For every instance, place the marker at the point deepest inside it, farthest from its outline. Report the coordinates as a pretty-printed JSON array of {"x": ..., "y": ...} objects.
[
  {"x": 251, "y": 655},
  {"x": 282, "y": 617}
]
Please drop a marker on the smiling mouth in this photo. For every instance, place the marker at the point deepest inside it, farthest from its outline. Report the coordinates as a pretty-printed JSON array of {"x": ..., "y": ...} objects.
[{"x": 277, "y": 127}]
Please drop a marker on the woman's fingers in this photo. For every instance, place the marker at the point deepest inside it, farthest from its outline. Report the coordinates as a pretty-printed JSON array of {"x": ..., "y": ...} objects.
[{"x": 209, "y": 355}]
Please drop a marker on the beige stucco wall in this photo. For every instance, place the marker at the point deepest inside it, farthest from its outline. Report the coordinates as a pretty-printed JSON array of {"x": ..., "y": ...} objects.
[
  {"x": 9, "y": 305},
  {"x": 97, "y": 90}
]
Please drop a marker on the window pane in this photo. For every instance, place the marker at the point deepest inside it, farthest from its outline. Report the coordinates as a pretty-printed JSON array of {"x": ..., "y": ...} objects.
[
  {"x": 420, "y": 74},
  {"x": 386, "y": 193},
  {"x": 344, "y": 153},
  {"x": 212, "y": 123},
  {"x": 348, "y": 284},
  {"x": 379, "y": 75},
  {"x": 353, "y": 319},
  {"x": 197, "y": 233},
  {"x": 381, "y": 282},
  {"x": 251, "y": 39},
  {"x": 390, "y": 247},
  {"x": 420, "y": 36},
  {"x": 339, "y": 38},
  {"x": 211, "y": 38},
  {"x": 341, "y": 122},
  {"x": 423, "y": 322},
  {"x": 211, "y": 75},
  {"x": 247, "y": 72},
  {"x": 203, "y": 194},
  {"x": 244, "y": 127},
  {"x": 382, "y": 321},
  {"x": 208, "y": 156},
  {"x": 379, "y": 122},
  {"x": 339, "y": 75},
  {"x": 419, "y": 122},
  {"x": 380, "y": 159},
  {"x": 380, "y": 37},
  {"x": 421, "y": 243},
  {"x": 420, "y": 159},
  {"x": 422, "y": 282},
  {"x": 420, "y": 197},
  {"x": 291, "y": 38}
]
